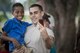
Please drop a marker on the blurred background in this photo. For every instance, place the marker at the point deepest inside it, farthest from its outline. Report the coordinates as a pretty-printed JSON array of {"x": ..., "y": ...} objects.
[{"x": 66, "y": 20}]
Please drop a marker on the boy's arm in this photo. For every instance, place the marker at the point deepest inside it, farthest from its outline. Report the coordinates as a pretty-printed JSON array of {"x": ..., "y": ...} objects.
[
  {"x": 5, "y": 37},
  {"x": 14, "y": 41}
]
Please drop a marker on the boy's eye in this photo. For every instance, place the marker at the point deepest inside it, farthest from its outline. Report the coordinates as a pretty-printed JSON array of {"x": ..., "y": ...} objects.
[{"x": 17, "y": 12}]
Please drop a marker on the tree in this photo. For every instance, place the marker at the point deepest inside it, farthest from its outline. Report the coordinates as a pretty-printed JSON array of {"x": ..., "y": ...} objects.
[
  {"x": 5, "y": 6},
  {"x": 78, "y": 39},
  {"x": 64, "y": 12}
]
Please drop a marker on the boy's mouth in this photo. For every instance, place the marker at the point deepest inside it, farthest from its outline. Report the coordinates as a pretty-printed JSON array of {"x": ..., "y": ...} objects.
[{"x": 20, "y": 18}]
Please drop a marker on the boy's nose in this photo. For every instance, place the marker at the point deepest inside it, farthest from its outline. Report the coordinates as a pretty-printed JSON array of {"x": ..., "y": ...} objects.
[{"x": 20, "y": 13}]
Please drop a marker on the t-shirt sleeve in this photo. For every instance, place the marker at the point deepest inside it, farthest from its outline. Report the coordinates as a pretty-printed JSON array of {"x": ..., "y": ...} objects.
[
  {"x": 7, "y": 26},
  {"x": 50, "y": 32},
  {"x": 28, "y": 24}
]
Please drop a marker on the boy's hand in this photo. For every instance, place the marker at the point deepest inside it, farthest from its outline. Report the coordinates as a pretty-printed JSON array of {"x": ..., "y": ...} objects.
[{"x": 16, "y": 43}]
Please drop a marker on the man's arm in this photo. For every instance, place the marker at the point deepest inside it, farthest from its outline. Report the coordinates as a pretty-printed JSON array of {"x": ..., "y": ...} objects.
[
  {"x": 47, "y": 36},
  {"x": 48, "y": 40}
]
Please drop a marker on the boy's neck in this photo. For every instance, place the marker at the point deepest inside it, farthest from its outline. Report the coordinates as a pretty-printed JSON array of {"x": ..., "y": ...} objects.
[{"x": 18, "y": 19}]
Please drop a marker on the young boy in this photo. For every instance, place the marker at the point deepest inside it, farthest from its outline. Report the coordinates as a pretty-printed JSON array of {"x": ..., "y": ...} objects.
[{"x": 14, "y": 29}]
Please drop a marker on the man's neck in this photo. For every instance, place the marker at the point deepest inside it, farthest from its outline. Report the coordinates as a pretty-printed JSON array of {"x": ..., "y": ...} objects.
[{"x": 35, "y": 24}]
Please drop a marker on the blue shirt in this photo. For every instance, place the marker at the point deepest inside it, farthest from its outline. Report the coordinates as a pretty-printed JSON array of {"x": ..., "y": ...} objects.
[{"x": 15, "y": 29}]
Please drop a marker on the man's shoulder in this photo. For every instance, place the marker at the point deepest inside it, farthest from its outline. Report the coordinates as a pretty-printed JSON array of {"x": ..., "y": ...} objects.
[
  {"x": 26, "y": 23},
  {"x": 29, "y": 27}
]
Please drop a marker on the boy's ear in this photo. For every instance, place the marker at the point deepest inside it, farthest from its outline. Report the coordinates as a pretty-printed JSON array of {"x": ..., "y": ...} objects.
[{"x": 12, "y": 12}]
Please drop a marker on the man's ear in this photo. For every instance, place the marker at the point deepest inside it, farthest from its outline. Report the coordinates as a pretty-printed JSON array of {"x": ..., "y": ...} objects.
[{"x": 42, "y": 13}]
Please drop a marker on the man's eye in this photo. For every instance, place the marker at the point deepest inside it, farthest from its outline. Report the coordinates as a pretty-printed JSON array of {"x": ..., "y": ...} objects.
[
  {"x": 35, "y": 12},
  {"x": 30, "y": 13}
]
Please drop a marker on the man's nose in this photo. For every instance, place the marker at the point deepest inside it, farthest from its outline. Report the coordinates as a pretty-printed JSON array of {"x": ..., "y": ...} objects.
[{"x": 33, "y": 15}]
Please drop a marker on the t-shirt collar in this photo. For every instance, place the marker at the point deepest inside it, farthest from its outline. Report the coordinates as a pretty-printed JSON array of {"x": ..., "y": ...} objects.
[{"x": 18, "y": 21}]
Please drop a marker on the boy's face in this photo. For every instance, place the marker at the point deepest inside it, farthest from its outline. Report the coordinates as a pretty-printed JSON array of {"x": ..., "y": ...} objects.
[
  {"x": 35, "y": 14},
  {"x": 18, "y": 12}
]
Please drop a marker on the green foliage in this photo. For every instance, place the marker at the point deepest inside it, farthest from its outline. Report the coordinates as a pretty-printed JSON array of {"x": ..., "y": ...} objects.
[
  {"x": 2, "y": 19},
  {"x": 32, "y": 2}
]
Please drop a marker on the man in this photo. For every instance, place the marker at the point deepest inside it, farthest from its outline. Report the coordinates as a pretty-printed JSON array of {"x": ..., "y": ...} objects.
[{"x": 38, "y": 36}]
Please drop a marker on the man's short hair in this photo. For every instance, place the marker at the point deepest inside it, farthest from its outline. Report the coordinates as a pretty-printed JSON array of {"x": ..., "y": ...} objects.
[
  {"x": 17, "y": 5},
  {"x": 36, "y": 5}
]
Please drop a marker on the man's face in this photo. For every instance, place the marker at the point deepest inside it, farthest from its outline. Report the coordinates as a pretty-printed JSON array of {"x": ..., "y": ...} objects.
[
  {"x": 35, "y": 14},
  {"x": 18, "y": 12}
]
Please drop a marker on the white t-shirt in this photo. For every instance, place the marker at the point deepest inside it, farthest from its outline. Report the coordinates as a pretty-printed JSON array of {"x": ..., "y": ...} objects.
[{"x": 35, "y": 41}]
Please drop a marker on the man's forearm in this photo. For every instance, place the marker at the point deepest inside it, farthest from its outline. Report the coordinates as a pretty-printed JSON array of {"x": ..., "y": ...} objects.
[{"x": 48, "y": 42}]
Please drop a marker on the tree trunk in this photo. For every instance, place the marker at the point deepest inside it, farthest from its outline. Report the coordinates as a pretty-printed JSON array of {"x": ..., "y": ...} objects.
[
  {"x": 64, "y": 12},
  {"x": 78, "y": 39}
]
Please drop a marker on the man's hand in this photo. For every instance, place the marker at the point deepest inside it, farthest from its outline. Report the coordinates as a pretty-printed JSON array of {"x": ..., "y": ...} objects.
[
  {"x": 43, "y": 31},
  {"x": 45, "y": 36}
]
